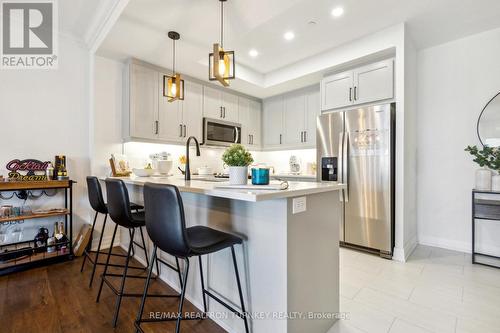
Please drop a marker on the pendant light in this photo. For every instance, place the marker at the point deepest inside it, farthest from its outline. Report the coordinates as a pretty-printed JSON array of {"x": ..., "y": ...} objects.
[
  {"x": 220, "y": 62},
  {"x": 173, "y": 85}
]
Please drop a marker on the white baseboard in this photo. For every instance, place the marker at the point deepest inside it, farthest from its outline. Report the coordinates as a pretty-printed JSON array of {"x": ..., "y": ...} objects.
[
  {"x": 402, "y": 254},
  {"x": 445, "y": 243}
]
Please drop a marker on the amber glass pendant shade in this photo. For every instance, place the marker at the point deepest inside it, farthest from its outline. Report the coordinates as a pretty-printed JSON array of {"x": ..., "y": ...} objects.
[
  {"x": 221, "y": 67},
  {"x": 173, "y": 87}
]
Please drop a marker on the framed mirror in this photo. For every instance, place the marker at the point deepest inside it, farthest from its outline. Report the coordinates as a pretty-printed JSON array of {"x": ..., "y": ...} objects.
[{"x": 488, "y": 123}]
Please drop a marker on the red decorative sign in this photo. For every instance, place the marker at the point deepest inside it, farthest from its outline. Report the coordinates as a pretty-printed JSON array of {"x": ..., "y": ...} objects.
[{"x": 32, "y": 170}]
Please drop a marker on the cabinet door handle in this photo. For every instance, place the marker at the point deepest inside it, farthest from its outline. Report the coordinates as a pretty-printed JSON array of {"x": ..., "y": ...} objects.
[
  {"x": 180, "y": 130},
  {"x": 305, "y": 136},
  {"x": 221, "y": 112},
  {"x": 157, "y": 127},
  {"x": 350, "y": 94},
  {"x": 248, "y": 139},
  {"x": 224, "y": 109},
  {"x": 301, "y": 136},
  {"x": 185, "y": 130},
  {"x": 280, "y": 138},
  {"x": 355, "y": 93},
  {"x": 251, "y": 139}
]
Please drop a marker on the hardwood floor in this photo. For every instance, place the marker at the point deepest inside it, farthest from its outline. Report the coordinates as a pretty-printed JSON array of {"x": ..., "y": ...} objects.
[{"x": 57, "y": 299}]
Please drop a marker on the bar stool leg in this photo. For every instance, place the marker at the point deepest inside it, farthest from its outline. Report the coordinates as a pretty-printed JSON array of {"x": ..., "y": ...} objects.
[
  {"x": 124, "y": 277},
  {"x": 146, "y": 287},
  {"x": 179, "y": 272},
  {"x": 145, "y": 248},
  {"x": 98, "y": 250},
  {"x": 132, "y": 240},
  {"x": 245, "y": 319},
  {"x": 183, "y": 293},
  {"x": 107, "y": 263},
  {"x": 86, "y": 253},
  {"x": 202, "y": 287}
]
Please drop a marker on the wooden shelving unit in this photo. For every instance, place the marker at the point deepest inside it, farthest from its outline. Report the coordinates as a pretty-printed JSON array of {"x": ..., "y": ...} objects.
[
  {"x": 39, "y": 256},
  {"x": 33, "y": 216}
]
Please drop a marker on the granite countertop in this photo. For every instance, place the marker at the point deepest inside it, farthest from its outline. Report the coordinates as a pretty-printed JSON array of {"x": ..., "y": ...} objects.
[{"x": 208, "y": 186}]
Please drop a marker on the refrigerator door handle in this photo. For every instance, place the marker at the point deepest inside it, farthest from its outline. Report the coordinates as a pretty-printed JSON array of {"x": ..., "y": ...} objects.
[
  {"x": 340, "y": 162},
  {"x": 345, "y": 166}
]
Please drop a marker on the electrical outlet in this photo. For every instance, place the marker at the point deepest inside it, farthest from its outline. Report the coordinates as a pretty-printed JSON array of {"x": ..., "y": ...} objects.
[{"x": 299, "y": 205}]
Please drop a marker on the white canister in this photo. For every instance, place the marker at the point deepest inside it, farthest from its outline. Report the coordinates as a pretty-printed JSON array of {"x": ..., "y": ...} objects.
[
  {"x": 495, "y": 183},
  {"x": 238, "y": 175},
  {"x": 483, "y": 179}
]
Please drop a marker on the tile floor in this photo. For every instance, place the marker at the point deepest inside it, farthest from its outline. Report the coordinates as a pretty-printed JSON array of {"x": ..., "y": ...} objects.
[{"x": 437, "y": 291}]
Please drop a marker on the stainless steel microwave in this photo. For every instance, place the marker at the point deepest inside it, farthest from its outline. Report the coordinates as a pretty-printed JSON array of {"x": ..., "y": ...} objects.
[{"x": 220, "y": 133}]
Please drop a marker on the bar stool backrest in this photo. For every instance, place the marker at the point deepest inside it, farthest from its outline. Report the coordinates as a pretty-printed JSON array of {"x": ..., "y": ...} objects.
[
  {"x": 119, "y": 203},
  {"x": 165, "y": 220},
  {"x": 95, "y": 195}
]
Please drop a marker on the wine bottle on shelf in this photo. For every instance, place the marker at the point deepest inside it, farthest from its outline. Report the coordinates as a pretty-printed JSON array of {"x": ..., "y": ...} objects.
[
  {"x": 61, "y": 238},
  {"x": 52, "y": 241}
]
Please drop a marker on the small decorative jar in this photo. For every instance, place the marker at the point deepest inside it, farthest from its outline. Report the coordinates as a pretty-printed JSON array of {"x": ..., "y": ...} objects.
[
  {"x": 483, "y": 179},
  {"x": 495, "y": 183},
  {"x": 260, "y": 176}
]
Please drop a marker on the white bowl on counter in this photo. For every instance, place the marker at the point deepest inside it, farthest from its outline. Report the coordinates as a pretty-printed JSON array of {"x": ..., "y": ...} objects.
[
  {"x": 143, "y": 172},
  {"x": 163, "y": 167}
]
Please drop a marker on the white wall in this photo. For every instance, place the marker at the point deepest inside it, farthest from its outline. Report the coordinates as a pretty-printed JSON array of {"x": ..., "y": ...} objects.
[
  {"x": 455, "y": 81},
  {"x": 45, "y": 113}
]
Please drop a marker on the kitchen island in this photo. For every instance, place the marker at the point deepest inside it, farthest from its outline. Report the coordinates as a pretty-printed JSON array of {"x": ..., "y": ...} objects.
[{"x": 289, "y": 261}]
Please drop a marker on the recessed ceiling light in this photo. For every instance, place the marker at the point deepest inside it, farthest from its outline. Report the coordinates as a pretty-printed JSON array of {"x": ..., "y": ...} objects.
[
  {"x": 253, "y": 53},
  {"x": 289, "y": 35},
  {"x": 337, "y": 12}
]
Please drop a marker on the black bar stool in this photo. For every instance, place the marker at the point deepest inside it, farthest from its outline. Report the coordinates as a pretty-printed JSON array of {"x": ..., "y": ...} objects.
[
  {"x": 166, "y": 226},
  {"x": 120, "y": 212},
  {"x": 97, "y": 203}
]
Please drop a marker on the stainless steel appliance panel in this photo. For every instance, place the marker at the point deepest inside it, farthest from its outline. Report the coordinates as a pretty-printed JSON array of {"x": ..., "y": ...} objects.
[
  {"x": 329, "y": 141},
  {"x": 367, "y": 171},
  {"x": 220, "y": 133}
]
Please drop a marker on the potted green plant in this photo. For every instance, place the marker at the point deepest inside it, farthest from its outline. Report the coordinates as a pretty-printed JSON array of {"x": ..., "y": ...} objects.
[
  {"x": 237, "y": 158},
  {"x": 488, "y": 159}
]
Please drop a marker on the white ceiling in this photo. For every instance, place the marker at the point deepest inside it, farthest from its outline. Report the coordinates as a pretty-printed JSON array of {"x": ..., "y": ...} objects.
[
  {"x": 76, "y": 16},
  {"x": 141, "y": 30}
]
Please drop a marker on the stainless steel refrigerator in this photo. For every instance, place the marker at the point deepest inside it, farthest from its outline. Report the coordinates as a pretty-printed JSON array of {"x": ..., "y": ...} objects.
[{"x": 356, "y": 147}]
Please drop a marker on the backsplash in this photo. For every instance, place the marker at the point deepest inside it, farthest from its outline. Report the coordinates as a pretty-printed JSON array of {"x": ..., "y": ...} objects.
[{"x": 138, "y": 154}]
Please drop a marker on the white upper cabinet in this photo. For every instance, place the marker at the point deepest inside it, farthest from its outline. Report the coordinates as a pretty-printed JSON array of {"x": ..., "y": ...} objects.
[
  {"x": 374, "y": 82},
  {"x": 192, "y": 110},
  {"x": 220, "y": 105},
  {"x": 250, "y": 118},
  {"x": 294, "y": 118},
  {"x": 273, "y": 122},
  {"x": 141, "y": 122},
  {"x": 313, "y": 110},
  {"x": 290, "y": 119},
  {"x": 256, "y": 123},
  {"x": 336, "y": 91},
  {"x": 230, "y": 107},
  {"x": 212, "y": 103},
  {"x": 169, "y": 117},
  {"x": 367, "y": 84}
]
